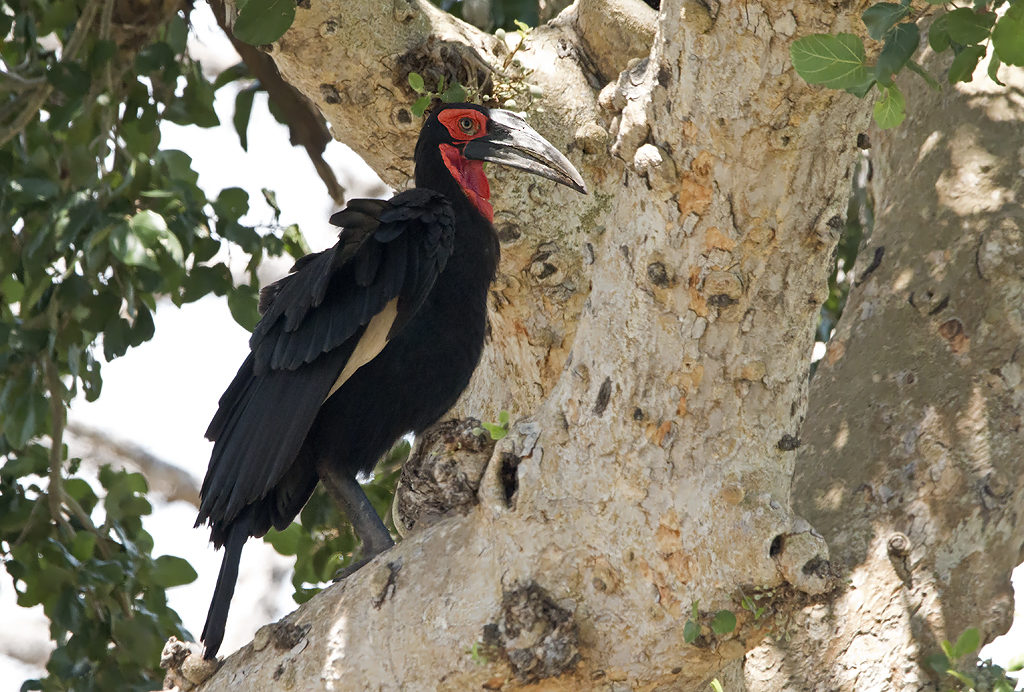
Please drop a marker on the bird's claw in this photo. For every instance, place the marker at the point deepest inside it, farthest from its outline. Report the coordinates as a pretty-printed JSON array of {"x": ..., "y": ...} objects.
[{"x": 348, "y": 571}]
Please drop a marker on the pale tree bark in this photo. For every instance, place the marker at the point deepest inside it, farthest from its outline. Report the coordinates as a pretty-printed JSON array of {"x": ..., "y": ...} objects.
[
  {"x": 913, "y": 444},
  {"x": 652, "y": 342}
]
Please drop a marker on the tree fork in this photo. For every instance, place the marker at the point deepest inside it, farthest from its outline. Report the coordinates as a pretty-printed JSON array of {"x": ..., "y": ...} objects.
[{"x": 681, "y": 296}]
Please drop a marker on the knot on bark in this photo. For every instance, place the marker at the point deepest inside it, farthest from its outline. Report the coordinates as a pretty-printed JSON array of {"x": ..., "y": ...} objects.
[
  {"x": 443, "y": 474},
  {"x": 802, "y": 559},
  {"x": 538, "y": 638},
  {"x": 186, "y": 668}
]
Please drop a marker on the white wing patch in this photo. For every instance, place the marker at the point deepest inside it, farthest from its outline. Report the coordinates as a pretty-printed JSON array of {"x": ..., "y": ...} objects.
[{"x": 372, "y": 342}]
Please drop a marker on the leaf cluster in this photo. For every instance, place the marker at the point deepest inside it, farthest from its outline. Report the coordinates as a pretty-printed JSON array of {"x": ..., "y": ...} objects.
[
  {"x": 954, "y": 665},
  {"x": 100, "y": 586},
  {"x": 99, "y": 223},
  {"x": 840, "y": 61},
  {"x": 498, "y": 430},
  {"x": 452, "y": 93},
  {"x": 719, "y": 623}
]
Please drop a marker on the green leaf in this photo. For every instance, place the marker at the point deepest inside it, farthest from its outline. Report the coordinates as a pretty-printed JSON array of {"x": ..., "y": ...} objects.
[
  {"x": 285, "y": 542},
  {"x": 243, "y": 302},
  {"x": 455, "y": 93},
  {"x": 966, "y": 643},
  {"x": 237, "y": 71},
  {"x": 11, "y": 290},
  {"x": 294, "y": 242},
  {"x": 83, "y": 494},
  {"x": 495, "y": 430},
  {"x": 69, "y": 78},
  {"x": 724, "y": 622},
  {"x": 837, "y": 62},
  {"x": 419, "y": 107},
  {"x": 169, "y": 571},
  {"x": 271, "y": 198},
  {"x": 177, "y": 34},
  {"x": 964, "y": 64},
  {"x": 881, "y": 17},
  {"x": 890, "y": 109},
  {"x": 993, "y": 68},
  {"x": 178, "y": 165},
  {"x": 83, "y": 545},
  {"x": 127, "y": 247},
  {"x": 231, "y": 204},
  {"x": 967, "y": 27},
  {"x": 416, "y": 82},
  {"x": 691, "y": 630},
  {"x": 1008, "y": 37},
  {"x": 102, "y": 51},
  {"x": 900, "y": 44},
  {"x": 152, "y": 230},
  {"x": 938, "y": 34},
  {"x": 243, "y": 110},
  {"x": 264, "y": 21},
  {"x": 716, "y": 686}
]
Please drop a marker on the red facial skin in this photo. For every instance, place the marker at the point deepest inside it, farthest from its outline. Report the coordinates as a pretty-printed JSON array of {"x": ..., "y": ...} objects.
[{"x": 465, "y": 124}]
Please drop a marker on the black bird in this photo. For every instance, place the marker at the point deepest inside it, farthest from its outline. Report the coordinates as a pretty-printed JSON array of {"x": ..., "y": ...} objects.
[{"x": 365, "y": 342}]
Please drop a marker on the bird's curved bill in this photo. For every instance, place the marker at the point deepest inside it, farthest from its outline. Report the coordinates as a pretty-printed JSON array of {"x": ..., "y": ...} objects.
[{"x": 511, "y": 142}]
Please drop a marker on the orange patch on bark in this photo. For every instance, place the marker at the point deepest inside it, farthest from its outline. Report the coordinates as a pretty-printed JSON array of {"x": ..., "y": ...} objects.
[
  {"x": 656, "y": 434},
  {"x": 714, "y": 238},
  {"x": 695, "y": 187},
  {"x": 953, "y": 332},
  {"x": 836, "y": 350},
  {"x": 697, "y": 301}
]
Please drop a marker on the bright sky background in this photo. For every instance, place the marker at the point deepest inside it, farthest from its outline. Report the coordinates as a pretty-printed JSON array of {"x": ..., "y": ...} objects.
[{"x": 162, "y": 395}]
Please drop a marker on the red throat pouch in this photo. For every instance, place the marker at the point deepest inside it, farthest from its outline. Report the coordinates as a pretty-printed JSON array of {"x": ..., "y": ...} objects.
[{"x": 470, "y": 177}]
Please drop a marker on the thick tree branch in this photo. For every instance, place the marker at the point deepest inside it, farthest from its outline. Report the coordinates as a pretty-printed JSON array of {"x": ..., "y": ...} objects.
[
  {"x": 164, "y": 478},
  {"x": 911, "y": 459},
  {"x": 657, "y": 333},
  {"x": 306, "y": 126}
]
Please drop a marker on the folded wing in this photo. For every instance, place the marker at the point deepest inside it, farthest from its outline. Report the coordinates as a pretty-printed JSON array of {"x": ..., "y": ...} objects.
[{"x": 335, "y": 312}]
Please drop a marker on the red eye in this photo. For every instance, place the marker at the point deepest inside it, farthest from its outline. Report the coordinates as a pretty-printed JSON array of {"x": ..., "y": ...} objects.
[{"x": 468, "y": 125}]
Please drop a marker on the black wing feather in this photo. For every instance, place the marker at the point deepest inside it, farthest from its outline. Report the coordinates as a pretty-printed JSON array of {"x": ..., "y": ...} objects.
[{"x": 312, "y": 320}]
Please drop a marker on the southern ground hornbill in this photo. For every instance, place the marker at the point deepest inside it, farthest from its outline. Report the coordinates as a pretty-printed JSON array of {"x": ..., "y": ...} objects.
[{"x": 364, "y": 342}]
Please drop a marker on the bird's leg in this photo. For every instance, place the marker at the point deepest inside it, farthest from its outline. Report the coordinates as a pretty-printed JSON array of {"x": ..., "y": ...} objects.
[{"x": 353, "y": 502}]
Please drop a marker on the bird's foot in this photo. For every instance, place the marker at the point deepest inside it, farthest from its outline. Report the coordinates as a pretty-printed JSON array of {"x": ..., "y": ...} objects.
[{"x": 349, "y": 570}]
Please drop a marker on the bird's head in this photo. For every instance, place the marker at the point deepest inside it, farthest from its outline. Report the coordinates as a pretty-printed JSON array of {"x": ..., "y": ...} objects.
[{"x": 464, "y": 135}]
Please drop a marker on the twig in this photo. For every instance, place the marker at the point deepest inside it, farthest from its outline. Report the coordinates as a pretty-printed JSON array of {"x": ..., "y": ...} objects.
[
  {"x": 171, "y": 481},
  {"x": 101, "y": 542},
  {"x": 306, "y": 125},
  {"x": 34, "y": 100},
  {"x": 29, "y": 523},
  {"x": 56, "y": 490},
  {"x": 12, "y": 81}
]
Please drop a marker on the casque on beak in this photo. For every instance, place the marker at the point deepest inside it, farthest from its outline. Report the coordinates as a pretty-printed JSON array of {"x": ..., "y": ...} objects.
[{"x": 511, "y": 142}]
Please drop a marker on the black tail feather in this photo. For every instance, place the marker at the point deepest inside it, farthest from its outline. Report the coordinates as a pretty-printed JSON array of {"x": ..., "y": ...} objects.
[{"x": 217, "y": 616}]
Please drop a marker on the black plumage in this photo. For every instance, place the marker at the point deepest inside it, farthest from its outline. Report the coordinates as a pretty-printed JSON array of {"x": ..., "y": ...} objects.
[{"x": 364, "y": 342}]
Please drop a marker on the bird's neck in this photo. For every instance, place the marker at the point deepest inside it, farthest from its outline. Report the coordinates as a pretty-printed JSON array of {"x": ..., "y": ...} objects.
[{"x": 467, "y": 180}]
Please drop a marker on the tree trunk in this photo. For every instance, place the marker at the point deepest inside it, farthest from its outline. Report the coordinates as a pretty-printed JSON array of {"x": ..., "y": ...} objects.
[
  {"x": 913, "y": 442},
  {"x": 652, "y": 342}
]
